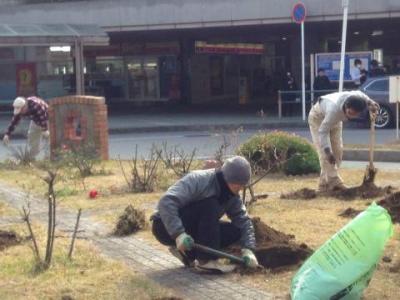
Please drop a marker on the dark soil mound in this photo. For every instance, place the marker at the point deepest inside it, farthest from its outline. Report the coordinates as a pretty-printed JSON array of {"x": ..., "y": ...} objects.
[
  {"x": 304, "y": 194},
  {"x": 168, "y": 298},
  {"x": 8, "y": 239},
  {"x": 364, "y": 191},
  {"x": 266, "y": 235},
  {"x": 395, "y": 268},
  {"x": 131, "y": 221},
  {"x": 349, "y": 213},
  {"x": 276, "y": 249},
  {"x": 392, "y": 204}
]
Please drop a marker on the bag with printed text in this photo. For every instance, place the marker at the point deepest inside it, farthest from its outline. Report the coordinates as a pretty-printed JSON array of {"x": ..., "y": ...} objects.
[{"x": 343, "y": 266}]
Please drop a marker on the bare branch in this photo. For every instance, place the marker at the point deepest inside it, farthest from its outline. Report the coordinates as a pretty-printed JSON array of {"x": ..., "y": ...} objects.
[
  {"x": 26, "y": 218},
  {"x": 74, "y": 234}
]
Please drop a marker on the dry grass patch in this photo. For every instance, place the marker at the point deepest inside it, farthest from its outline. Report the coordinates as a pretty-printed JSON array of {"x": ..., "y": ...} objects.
[
  {"x": 111, "y": 187},
  {"x": 6, "y": 210},
  {"x": 315, "y": 221},
  {"x": 88, "y": 276},
  {"x": 312, "y": 222}
]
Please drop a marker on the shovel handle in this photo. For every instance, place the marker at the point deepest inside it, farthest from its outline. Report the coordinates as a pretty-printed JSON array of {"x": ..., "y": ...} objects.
[
  {"x": 372, "y": 142},
  {"x": 218, "y": 253}
]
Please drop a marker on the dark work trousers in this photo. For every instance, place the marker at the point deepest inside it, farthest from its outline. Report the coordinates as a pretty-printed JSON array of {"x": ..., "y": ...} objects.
[{"x": 201, "y": 221}]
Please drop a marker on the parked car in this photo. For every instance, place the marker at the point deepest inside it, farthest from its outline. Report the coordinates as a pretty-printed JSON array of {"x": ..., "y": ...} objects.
[{"x": 377, "y": 88}]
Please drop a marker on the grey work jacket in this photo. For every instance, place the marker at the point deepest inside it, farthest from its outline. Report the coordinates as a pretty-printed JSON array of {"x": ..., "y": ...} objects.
[
  {"x": 332, "y": 113},
  {"x": 199, "y": 186}
]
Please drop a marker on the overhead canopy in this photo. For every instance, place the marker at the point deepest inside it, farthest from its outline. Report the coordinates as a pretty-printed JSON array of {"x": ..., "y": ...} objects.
[{"x": 51, "y": 34}]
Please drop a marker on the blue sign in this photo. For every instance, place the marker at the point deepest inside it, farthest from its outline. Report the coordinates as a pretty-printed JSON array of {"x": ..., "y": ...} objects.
[
  {"x": 330, "y": 62},
  {"x": 299, "y": 13}
]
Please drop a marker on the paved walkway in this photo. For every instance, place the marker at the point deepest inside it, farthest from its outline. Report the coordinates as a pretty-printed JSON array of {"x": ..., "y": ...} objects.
[
  {"x": 178, "y": 121},
  {"x": 138, "y": 254}
]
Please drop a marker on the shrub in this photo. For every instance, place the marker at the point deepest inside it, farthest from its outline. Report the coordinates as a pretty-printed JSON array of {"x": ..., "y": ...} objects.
[
  {"x": 83, "y": 158},
  {"x": 22, "y": 155},
  {"x": 144, "y": 173},
  {"x": 280, "y": 151}
]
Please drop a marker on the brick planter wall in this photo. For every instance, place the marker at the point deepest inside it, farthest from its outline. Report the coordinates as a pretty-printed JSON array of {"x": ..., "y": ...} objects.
[{"x": 79, "y": 120}]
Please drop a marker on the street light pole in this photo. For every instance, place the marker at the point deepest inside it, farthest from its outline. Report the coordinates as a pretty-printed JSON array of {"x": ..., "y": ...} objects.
[
  {"x": 303, "y": 75},
  {"x": 345, "y": 4}
]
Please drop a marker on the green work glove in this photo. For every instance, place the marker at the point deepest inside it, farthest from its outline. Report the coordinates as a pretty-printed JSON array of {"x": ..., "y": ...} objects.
[
  {"x": 250, "y": 259},
  {"x": 184, "y": 242}
]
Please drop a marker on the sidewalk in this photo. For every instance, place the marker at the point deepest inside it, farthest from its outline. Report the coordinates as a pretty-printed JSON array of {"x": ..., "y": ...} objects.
[
  {"x": 207, "y": 120},
  {"x": 167, "y": 121}
]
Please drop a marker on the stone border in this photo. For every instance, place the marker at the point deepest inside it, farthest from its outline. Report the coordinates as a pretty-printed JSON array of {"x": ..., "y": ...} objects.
[{"x": 379, "y": 155}]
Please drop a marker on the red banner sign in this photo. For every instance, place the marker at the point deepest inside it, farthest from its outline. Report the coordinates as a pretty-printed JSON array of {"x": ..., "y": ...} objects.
[{"x": 240, "y": 48}]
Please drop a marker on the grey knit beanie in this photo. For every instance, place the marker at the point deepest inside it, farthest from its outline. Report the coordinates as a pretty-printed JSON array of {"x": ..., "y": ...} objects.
[{"x": 236, "y": 170}]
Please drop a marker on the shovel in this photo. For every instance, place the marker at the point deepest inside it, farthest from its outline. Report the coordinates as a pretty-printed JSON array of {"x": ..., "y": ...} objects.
[
  {"x": 219, "y": 254},
  {"x": 371, "y": 171}
]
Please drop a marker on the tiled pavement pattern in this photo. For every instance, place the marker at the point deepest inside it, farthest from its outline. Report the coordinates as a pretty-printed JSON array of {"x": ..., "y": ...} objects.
[{"x": 155, "y": 264}]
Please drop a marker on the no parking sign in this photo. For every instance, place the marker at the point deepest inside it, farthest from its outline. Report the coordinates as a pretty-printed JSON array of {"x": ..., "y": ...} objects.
[{"x": 299, "y": 13}]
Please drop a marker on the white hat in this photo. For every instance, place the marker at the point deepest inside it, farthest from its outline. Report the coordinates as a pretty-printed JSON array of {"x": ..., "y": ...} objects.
[{"x": 18, "y": 104}]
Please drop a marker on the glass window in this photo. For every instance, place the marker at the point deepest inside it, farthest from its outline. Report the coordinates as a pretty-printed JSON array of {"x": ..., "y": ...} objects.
[
  {"x": 379, "y": 86},
  {"x": 143, "y": 78},
  {"x": 27, "y": 71},
  {"x": 105, "y": 77}
]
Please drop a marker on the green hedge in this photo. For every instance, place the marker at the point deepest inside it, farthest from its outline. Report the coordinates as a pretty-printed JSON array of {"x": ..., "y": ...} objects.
[{"x": 281, "y": 151}]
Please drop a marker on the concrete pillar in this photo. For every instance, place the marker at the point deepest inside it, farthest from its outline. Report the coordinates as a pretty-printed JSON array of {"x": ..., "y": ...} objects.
[{"x": 79, "y": 64}]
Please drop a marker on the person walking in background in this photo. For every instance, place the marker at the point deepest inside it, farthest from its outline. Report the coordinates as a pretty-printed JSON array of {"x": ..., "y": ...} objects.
[
  {"x": 376, "y": 70},
  {"x": 355, "y": 72},
  {"x": 37, "y": 110},
  {"x": 289, "y": 92},
  {"x": 322, "y": 84}
]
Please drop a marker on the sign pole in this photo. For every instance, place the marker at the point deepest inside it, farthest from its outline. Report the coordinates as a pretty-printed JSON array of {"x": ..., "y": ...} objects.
[
  {"x": 312, "y": 76},
  {"x": 397, "y": 119},
  {"x": 299, "y": 16},
  {"x": 394, "y": 96},
  {"x": 303, "y": 74},
  {"x": 345, "y": 4}
]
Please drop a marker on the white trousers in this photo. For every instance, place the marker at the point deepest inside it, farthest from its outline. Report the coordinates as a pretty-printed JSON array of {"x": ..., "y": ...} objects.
[{"x": 35, "y": 140}]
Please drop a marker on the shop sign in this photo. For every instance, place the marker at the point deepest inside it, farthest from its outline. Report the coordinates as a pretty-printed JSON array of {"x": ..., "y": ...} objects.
[{"x": 229, "y": 48}]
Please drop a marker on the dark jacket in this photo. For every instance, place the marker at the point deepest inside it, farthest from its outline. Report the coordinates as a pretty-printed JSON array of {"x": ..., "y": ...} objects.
[
  {"x": 199, "y": 186},
  {"x": 321, "y": 83}
]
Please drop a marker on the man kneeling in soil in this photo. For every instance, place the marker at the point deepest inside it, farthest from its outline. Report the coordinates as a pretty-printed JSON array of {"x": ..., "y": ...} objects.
[
  {"x": 325, "y": 121},
  {"x": 191, "y": 209}
]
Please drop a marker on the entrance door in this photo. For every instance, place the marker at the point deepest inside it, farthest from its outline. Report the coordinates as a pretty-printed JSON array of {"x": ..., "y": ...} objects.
[{"x": 143, "y": 79}]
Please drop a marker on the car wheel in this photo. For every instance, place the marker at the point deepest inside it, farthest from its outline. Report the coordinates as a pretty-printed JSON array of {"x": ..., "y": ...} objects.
[{"x": 383, "y": 118}]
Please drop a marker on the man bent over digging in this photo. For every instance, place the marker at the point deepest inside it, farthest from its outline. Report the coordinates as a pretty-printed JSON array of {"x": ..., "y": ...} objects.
[{"x": 191, "y": 209}]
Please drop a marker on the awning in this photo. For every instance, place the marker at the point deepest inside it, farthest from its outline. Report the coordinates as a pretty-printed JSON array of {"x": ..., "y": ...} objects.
[{"x": 51, "y": 34}]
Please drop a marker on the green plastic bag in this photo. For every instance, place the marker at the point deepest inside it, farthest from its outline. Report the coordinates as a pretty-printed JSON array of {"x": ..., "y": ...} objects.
[{"x": 343, "y": 266}]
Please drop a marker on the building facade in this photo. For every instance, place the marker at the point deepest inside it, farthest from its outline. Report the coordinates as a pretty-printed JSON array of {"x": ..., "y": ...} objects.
[{"x": 193, "y": 51}]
